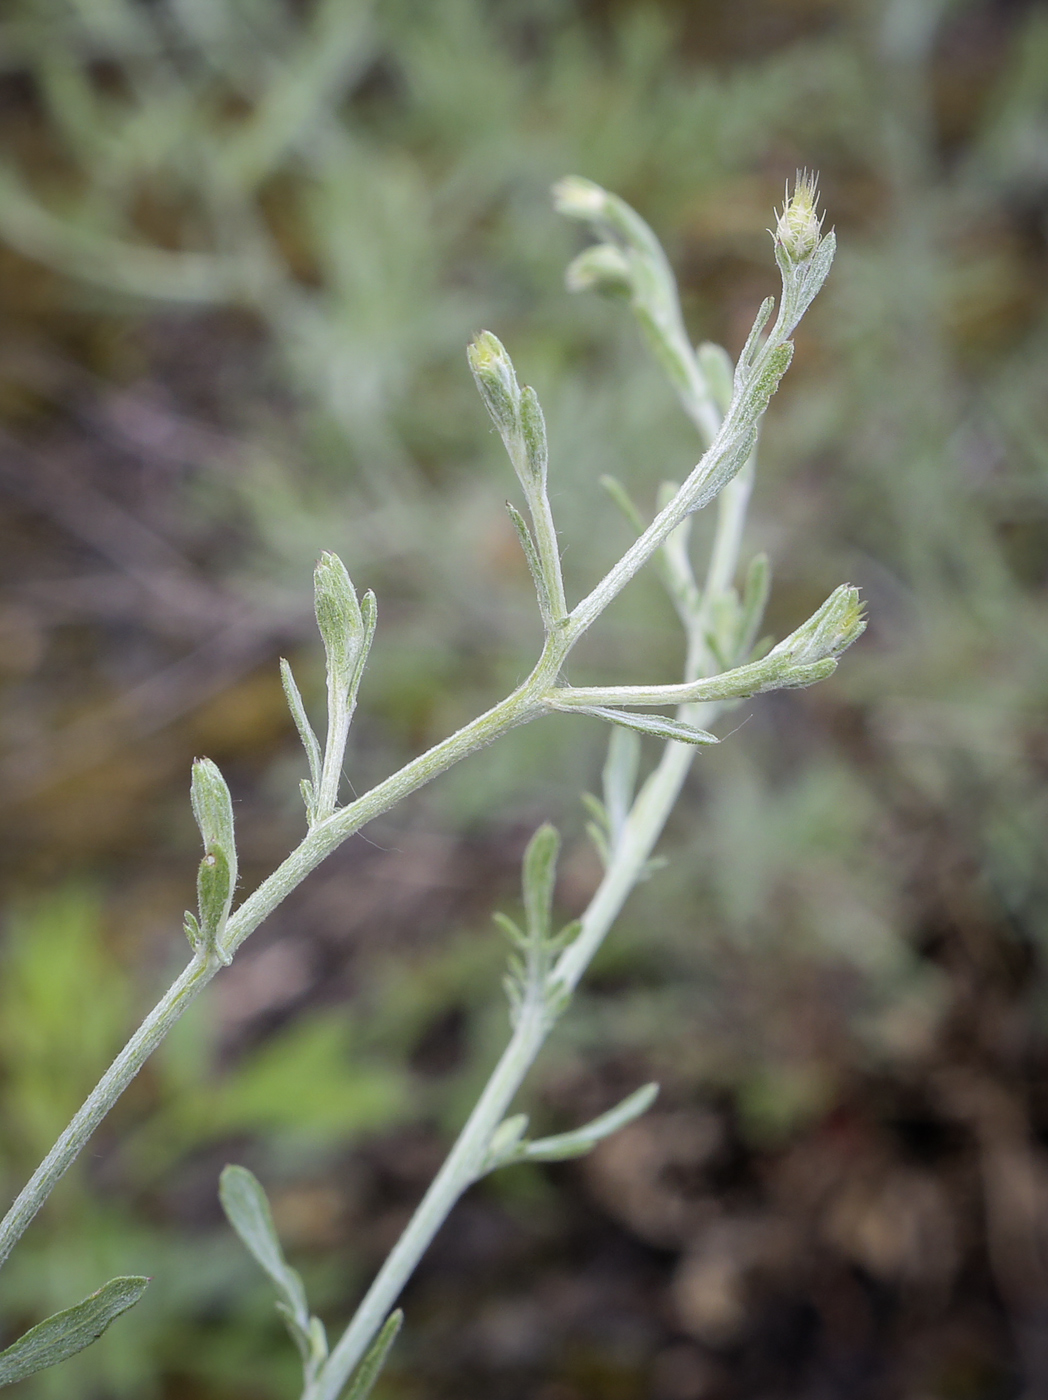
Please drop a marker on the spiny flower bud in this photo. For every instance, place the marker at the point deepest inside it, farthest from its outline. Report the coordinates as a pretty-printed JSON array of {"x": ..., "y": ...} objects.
[{"x": 799, "y": 227}]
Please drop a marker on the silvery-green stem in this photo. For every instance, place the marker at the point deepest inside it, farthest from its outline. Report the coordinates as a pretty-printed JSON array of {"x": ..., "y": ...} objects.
[
  {"x": 643, "y": 828},
  {"x": 641, "y": 831},
  {"x": 460, "y": 1170},
  {"x": 325, "y": 837},
  {"x": 548, "y": 551},
  {"x": 523, "y": 705},
  {"x": 760, "y": 367},
  {"x": 658, "y": 796},
  {"x": 102, "y": 1097},
  {"x": 339, "y": 715}
]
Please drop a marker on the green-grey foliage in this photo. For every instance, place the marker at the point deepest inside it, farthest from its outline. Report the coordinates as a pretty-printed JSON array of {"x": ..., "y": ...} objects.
[
  {"x": 547, "y": 968},
  {"x": 63, "y": 1334}
]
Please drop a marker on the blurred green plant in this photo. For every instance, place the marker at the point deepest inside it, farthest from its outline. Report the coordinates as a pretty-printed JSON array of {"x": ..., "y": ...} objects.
[{"x": 547, "y": 966}]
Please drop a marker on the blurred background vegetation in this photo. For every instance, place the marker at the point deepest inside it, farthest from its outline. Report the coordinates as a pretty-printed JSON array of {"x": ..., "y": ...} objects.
[{"x": 242, "y": 246}]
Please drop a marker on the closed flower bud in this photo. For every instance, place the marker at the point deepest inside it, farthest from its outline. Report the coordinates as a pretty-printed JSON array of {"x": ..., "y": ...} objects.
[
  {"x": 338, "y": 615},
  {"x": 497, "y": 381},
  {"x": 799, "y": 227},
  {"x": 578, "y": 198},
  {"x": 601, "y": 268},
  {"x": 827, "y": 632}
]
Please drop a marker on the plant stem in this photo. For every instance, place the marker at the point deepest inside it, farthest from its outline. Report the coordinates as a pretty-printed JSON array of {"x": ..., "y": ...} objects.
[
  {"x": 522, "y": 705},
  {"x": 460, "y": 1170},
  {"x": 532, "y": 698},
  {"x": 642, "y": 828},
  {"x": 150, "y": 1033}
]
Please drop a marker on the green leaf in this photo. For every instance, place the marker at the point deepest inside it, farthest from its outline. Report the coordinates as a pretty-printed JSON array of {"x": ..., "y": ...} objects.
[
  {"x": 654, "y": 725},
  {"x": 65, "y": 1333},
  {"x": 539, "y": 876},
  {"x": 371, "y": 1367},
  {"x": 247, "y": 1210},
  {"x": 310, "y": 742},
  {"x": 531, "y": 554},
  {"x": 515, "y": 935},
  {"x": 749, "y": 350},
  {"x": 505, "y": 1141},
  {"x": 754, "y": 600},
  {"x": 578, "y": 1143},
  {"x": 214, "y": 894},
  {"x": 533, "y": 431}
]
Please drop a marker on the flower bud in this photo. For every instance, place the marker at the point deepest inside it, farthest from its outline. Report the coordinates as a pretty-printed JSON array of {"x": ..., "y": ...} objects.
[
  {"x": 601, "y": 268},
  {"x": 799, "y": 227},
  {"x": 339, "y": 619},
  {"x": 827, "y": 632},
  {"x": 497, "y": 381},
  {"x": 217, "y": 876},
  {"x": 578, "y": 198}
]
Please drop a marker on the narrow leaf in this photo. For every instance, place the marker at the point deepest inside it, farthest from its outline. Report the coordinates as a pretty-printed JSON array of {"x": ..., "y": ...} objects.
[
  {"x": 369, "y": 617},
  {"x": 191, "y": 928},
  {"x": 815, "y": 272},
  {"x": 620, "y": 777},
  {"x": 539, "y": 875},
  {"x": 370, "y": 1368},
  {"x": 579, "y": 1142},
  {"x": 531, "y": 554},
  {"x": 600, "y": 841},
  {"x": 596, "y": 808},
  {"x": 754, "y": 600},
  {"x": 656, "y": 725},
  {"x": 214, "y": 893},
  {"x": 510, "y": 929},
  {"x": 767, "y": 306},
  {"x": 65, "y": 1333},
  {"x": 621, "y": 497},
  {"x": 247, "y": 1210},
  {"x": 298, "y": 713},
  {"x": 533, "y": 432}
]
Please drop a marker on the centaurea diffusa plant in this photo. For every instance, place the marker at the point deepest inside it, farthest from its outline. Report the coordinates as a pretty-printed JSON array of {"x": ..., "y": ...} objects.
[{"x": 721, "y": 666}]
